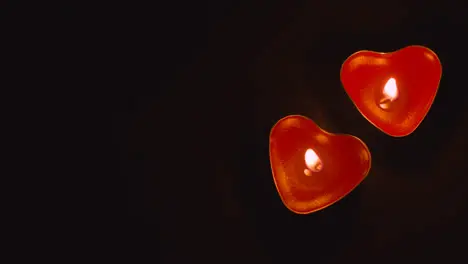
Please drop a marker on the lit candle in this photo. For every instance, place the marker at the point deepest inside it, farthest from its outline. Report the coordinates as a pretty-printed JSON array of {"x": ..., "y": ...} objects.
[
  {"x": 389, "y": 94},
  {"x": 312, "y": 168},
  {"x": 312, "y": 162},
  {"x": 393, "y": 91}
]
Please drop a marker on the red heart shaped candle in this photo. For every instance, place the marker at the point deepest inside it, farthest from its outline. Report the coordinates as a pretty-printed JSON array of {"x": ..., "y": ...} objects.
[
  {"x": 313, "y": 169},
  {"x": 393, "y": 91}
]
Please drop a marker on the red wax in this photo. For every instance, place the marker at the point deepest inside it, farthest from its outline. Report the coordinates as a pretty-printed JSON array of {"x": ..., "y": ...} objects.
[
  {"x": 312, "y": 168},
  {"x": 399, "y": 108}
]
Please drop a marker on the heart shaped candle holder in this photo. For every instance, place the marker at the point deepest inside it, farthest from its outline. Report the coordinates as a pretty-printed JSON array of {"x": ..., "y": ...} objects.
[
  {"x": 393, "y": 91},
  {"x": 312, "y": 168}
]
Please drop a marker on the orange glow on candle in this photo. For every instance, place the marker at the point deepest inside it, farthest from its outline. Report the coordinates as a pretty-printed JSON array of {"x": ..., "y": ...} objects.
[
  {"x": 312, "y": 161},
  {"x": 390, "y": 89},
  {"x": 390, "y": 93}
]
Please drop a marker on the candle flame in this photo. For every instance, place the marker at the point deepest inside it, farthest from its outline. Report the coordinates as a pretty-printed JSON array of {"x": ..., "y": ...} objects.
[
  {"x": 312, "y": 161},
  {"x": 390, "y": 89}
]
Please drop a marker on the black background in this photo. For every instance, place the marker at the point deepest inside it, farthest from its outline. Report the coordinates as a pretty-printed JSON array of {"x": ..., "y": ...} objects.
[{"x": 210, "y": 79}]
